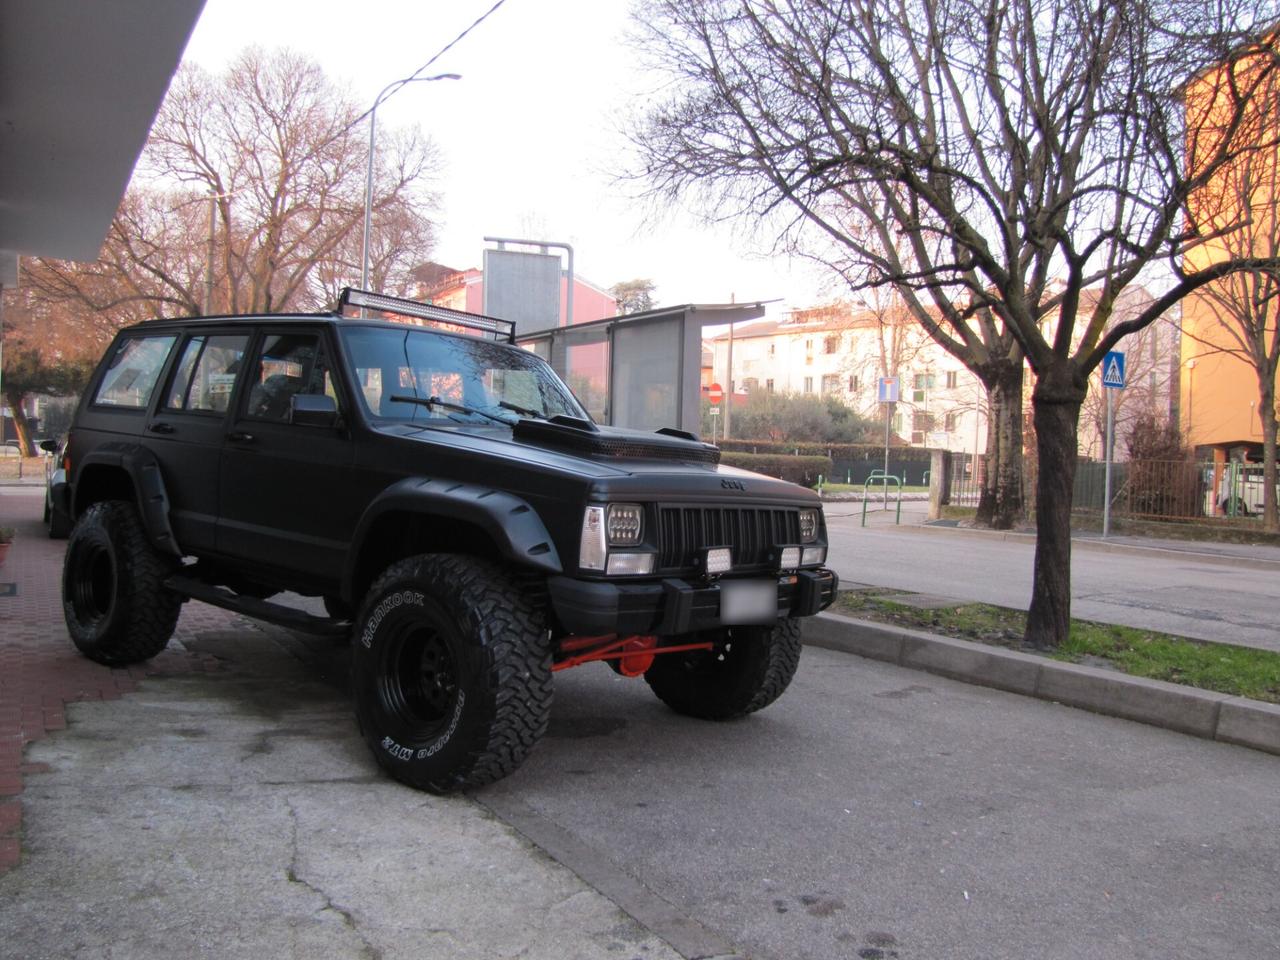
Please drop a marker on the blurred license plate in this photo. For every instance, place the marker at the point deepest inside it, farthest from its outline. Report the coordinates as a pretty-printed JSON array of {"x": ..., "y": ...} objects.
[{"x": 748, "y": 601}]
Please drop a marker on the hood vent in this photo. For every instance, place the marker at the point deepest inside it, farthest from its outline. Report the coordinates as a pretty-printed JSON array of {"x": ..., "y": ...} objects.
[{"x": 586, "y": 439}]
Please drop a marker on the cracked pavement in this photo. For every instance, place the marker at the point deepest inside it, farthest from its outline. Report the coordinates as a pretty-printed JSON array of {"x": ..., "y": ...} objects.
[{"x": 238, "y": 814}]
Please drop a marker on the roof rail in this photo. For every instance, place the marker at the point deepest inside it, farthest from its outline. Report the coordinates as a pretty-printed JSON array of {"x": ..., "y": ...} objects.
[{"x": 451, "y": 319}]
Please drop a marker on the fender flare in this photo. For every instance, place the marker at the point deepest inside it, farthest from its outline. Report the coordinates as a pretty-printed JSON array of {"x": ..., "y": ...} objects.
[
  {"x": 143, "y": 469},
  {"x": 513, "y": 525}
]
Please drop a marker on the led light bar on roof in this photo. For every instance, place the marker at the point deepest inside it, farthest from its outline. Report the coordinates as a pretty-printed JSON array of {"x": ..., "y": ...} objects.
[{"x": 500, "y": 329}]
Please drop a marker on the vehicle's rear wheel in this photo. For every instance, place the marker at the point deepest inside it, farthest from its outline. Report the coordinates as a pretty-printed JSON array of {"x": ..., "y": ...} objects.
[
  {"x": 746, "y": 670},
  {"x": 452, "y": 672},
  {"x": 113, "y": 596}
]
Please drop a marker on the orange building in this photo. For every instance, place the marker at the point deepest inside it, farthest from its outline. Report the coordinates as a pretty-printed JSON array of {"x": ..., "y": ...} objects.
[{"x": 1221, "y": 407}]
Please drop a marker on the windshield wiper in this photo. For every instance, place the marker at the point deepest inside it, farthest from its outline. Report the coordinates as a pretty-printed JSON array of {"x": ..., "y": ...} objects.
[
  {"x": 430, "y": 402},
  {"x": 523, "y": 411}
]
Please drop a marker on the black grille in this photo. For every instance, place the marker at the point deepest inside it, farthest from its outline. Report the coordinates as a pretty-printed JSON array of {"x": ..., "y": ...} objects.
[{"x": 751, "y": 531}]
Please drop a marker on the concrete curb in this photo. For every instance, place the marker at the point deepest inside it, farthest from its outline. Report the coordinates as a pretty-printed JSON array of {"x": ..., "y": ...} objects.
[{"x": 1201, "y": 713}]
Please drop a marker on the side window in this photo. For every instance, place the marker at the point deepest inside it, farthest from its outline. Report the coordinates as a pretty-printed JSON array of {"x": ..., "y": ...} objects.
[
  {"x": 131, "y": 377},
  {"x": 206, "y": 373},
  {"x": 289, "y": 364}
]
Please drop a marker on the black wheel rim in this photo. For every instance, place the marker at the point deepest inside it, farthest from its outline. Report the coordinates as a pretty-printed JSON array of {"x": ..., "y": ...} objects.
[
  {"x": 91, "y": 582},
  {"x": 419, "y": 683}
]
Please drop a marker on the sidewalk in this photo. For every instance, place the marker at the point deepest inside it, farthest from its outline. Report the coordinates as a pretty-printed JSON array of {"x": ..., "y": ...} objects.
[
  {"x": 224, "y": 805},
  {"x": 41, "y": 672},
  {"x": 1201, "y": 550}
]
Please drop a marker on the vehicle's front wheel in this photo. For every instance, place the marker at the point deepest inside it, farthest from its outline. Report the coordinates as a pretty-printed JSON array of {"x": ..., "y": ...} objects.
[
  {"x": 117, "y": 609},
  {"x": 746, "y": 670},
  {"x": 452, "y": 672}
]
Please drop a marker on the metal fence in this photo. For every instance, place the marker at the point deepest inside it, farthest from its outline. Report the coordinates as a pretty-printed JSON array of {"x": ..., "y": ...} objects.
[
  {"x": 1146, "y": 489},
  {"x": 14, "y": 467},
  {"x": 966, "y": 472},
  {"x": 1140, "y": 489}
]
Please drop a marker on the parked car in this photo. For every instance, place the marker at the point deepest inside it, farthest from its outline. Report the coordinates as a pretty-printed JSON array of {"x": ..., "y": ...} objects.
[
  {"x": 467, "y": 524},
  {"x": 1240, "y": 492},
  {"x": 55, "y": 478}
]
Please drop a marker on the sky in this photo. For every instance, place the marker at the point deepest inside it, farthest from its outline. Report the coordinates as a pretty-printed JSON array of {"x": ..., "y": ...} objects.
[{"x": 529, "y": 136}]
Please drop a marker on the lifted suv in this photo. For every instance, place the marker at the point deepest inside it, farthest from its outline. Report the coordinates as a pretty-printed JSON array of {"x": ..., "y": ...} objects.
[{"x": 465, "y": 521}]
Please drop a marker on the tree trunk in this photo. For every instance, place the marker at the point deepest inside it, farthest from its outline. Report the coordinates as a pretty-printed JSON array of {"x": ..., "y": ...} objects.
[
  {"x": 1009, "y": 437},
  {"x": 1267, "y": 406},
  {"x": 1000, "y": 506},
  {"x": 1056, "y": 403},
  {"x": 985, "y": 517},
  {"x": 21, "y": 425}
]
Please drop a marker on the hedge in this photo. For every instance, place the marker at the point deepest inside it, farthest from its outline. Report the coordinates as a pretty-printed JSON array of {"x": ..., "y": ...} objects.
[{"x": 803, "y": 470}]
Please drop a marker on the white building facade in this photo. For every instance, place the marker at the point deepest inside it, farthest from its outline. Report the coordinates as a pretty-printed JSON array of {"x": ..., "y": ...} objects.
[{"x": 834, "y": 352}]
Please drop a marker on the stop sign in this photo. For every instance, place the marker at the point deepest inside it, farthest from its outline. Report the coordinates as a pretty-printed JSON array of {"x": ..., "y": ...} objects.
[{"x": 715, "y": 394}]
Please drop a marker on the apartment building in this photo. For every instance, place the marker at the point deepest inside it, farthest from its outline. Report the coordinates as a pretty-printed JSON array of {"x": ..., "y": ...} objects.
[{"x": 834, "y": 350}]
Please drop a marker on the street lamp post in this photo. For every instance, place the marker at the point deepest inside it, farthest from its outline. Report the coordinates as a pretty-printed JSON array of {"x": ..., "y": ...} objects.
[{"x": 368, "y": 186}]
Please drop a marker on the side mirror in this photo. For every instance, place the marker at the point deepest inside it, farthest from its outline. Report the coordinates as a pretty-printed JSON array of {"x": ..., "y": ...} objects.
[
  {"x": 49, "y": 446},
  {"x": 313, "y": 410}
]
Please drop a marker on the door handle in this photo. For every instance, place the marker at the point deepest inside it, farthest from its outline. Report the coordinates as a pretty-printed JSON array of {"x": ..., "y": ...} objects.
[
  {"x": 162, "y": 427},
  {"x": 240, "y": 437}
]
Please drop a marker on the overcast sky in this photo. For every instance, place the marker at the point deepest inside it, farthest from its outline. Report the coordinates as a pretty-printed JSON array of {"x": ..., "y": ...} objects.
[{"x": 527, "y": 136}]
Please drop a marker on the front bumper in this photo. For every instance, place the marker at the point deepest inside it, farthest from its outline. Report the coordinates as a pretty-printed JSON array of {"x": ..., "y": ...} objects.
[{"x": 673, "y": 606}]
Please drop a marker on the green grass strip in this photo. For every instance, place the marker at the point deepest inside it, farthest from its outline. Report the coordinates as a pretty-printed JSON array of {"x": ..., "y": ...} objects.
[{"x": 1226, "y": 668}]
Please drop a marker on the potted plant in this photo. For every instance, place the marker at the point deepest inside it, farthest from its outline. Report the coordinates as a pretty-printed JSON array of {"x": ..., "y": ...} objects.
[{"x": 6, "y": 538}]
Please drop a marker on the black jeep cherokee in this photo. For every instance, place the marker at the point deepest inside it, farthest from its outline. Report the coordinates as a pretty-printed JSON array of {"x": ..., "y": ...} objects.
[{"x": 465, "y": 521}]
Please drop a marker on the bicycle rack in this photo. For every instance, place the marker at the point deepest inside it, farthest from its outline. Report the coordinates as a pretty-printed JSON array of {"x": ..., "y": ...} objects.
[{"x": 885, "y": 478}]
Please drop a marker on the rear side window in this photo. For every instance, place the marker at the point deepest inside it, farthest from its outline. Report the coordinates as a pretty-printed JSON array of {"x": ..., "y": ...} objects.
[
  {"x": 131, "y": 377},
  {"x": 206, "y": 373}
]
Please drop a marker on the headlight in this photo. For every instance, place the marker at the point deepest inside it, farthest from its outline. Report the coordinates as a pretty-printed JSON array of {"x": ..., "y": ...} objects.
[
  {"x": 605, "y": 528},
  {"x": 626, "y": 524},
  {"x": 808, "y": 526}
]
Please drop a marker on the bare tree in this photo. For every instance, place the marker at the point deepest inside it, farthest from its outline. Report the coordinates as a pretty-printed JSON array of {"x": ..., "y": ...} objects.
[
  {"x": 991, "y": 353},
  {"x": 1240, "y": 208},
  {"x": 1025, "y": 151},
  {"x": 46, "y": 352},
  {"x": 249, "y": 197}
]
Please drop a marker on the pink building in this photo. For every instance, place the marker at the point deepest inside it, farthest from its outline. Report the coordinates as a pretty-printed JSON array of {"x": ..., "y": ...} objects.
[{"x": 464, "y": 290}]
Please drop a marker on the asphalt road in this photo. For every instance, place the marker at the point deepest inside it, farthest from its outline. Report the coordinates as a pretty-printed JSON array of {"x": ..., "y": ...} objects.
[
  {"x": 1210, "y": 598},
  {"x": 878, "y": 812}
]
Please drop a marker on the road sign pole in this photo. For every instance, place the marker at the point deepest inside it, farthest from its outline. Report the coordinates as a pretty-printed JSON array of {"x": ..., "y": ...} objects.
[
  {"x": 887, "y": 407},
  {"x": 1112, "y": 379},
  {"x": 1110, "y": 443}
]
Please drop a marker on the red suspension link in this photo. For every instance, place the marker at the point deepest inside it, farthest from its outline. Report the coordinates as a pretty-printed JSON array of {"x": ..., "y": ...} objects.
[{"x": 634, "y": 654}]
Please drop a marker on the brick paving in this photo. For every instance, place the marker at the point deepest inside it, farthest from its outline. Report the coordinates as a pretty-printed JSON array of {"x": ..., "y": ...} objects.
[{"x": 40, "y": 669}]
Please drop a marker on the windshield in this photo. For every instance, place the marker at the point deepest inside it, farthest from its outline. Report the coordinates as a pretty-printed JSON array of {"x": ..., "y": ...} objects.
[{"x": 468, "y": 379}]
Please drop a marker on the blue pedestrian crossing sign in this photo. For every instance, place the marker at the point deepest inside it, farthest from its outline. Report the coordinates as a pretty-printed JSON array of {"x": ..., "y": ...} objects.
[{"x": 1113, "y": 369}]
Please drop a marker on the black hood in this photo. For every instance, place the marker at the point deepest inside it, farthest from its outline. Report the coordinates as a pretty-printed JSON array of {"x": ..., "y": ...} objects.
[{"x": 584, "y": 438}]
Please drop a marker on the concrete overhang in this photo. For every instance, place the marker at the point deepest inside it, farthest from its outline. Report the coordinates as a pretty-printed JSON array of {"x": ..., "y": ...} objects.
[{"x": 80, "y": 84}]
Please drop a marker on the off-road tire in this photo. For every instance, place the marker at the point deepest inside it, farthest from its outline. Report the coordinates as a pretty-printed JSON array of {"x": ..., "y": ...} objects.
[
  {"x": 117, "y": 609},
  {"x": 451, "y": 672},
  {"x": 747, "y": 670},
  {"x": 59, "y": 524}
]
